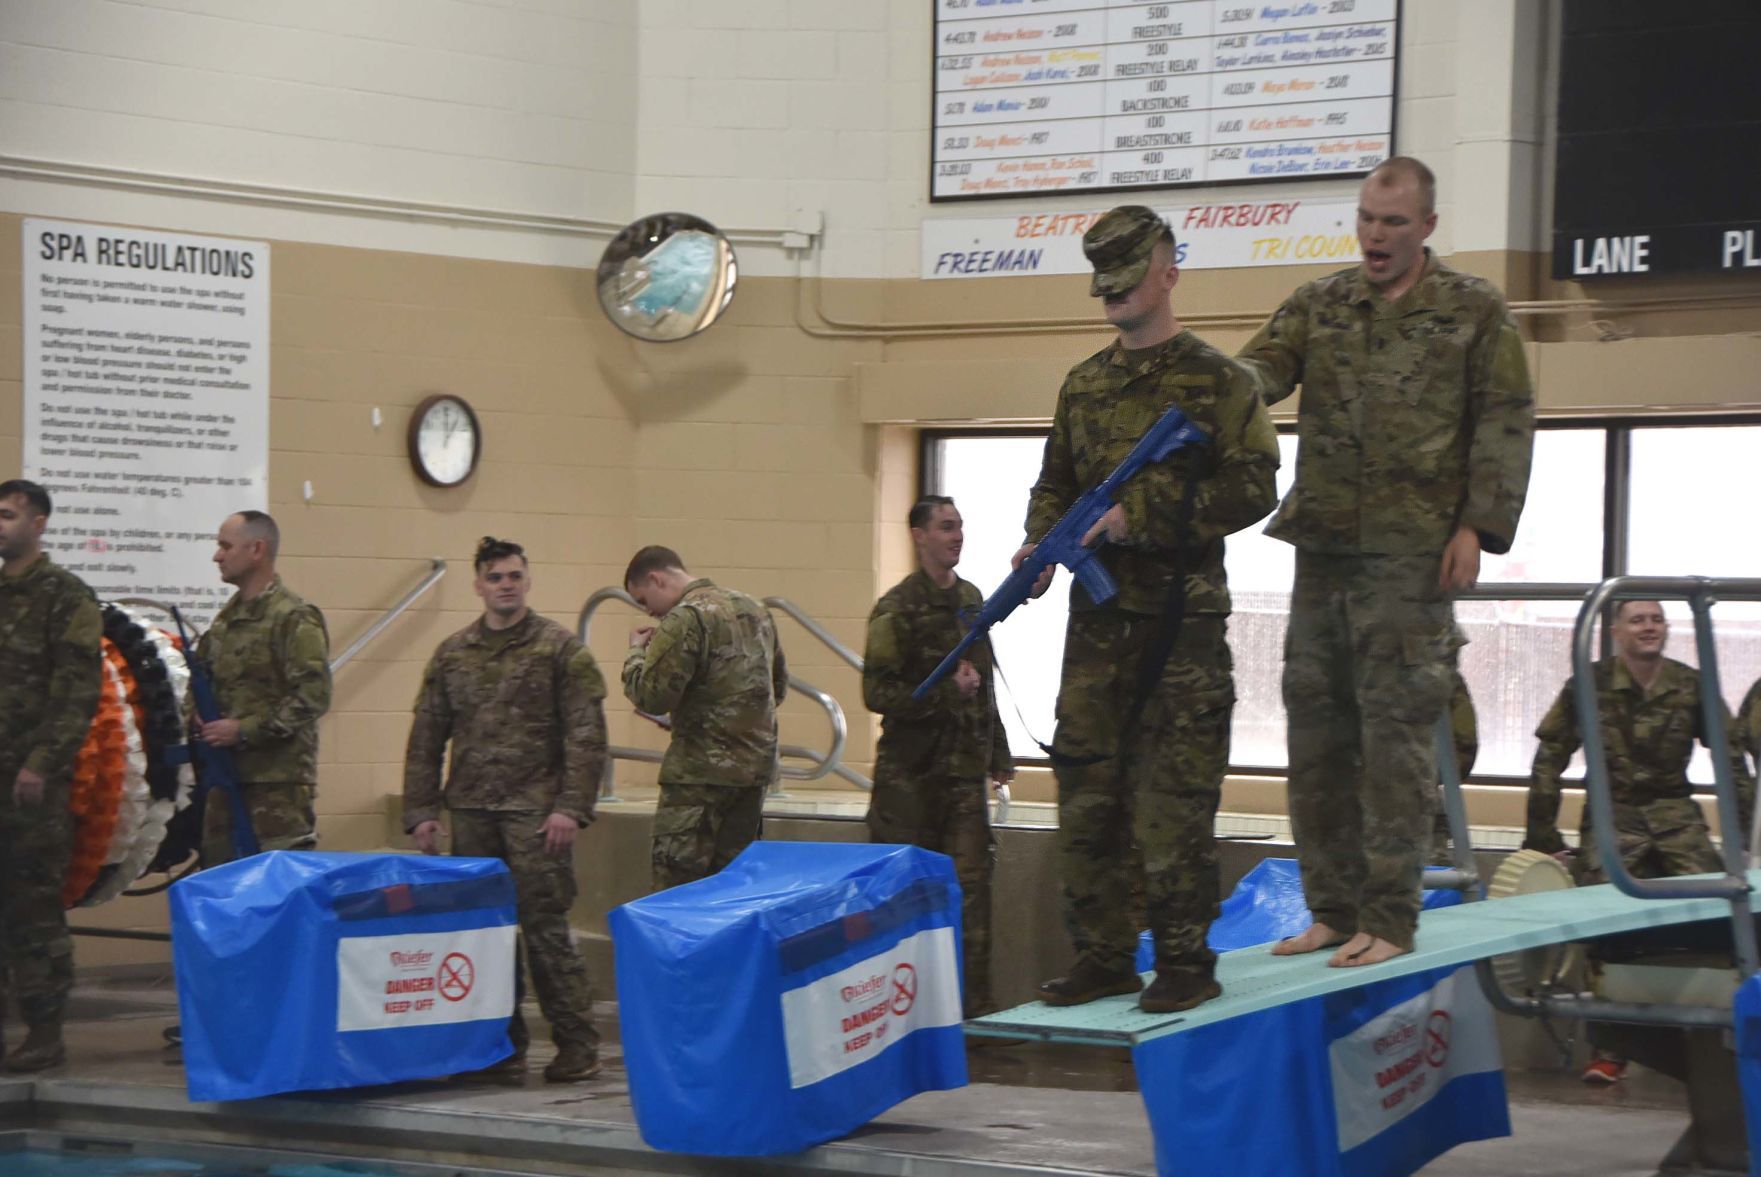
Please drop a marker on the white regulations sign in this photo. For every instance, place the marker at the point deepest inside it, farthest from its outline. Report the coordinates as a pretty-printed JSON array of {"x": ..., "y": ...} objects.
[
  {"x": 1085, "y": 95},
  {"x": 146, "y": 401},
  {"x": 1208, "y": 236}
]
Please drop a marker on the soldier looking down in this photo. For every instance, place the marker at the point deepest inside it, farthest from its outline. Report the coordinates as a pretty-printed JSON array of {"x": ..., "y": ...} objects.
[
  {"x": 1145, "y": 698},
  {"x": 522, "y": 702},
  {"x": 1415, "y": 426},
  {"x": 50, "y": 676},
  {"x": 713, "y": 663},
  {"x": 935, "y": 755}
]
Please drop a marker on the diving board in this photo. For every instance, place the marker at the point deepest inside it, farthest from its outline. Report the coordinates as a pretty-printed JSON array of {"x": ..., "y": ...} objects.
[{"x": 1254, "y": 980}]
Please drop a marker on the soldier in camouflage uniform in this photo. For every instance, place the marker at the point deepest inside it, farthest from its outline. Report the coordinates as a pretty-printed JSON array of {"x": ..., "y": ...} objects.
[
  {"x": 1464, "y": 733},
  {"x": 1416, "y": 426},
  {"x": 50, "y": 676},
  {"x": 522, "y": 701},
  {"x": 1140, "y": 752},
  {"x": 1650, "y": 713},
  {"x": 1649, "y": 708},
  {"x": 935, "y": 755},
  {"x": 1746, "y": 735},
  {"x": 714, "y": 665},
  {"x": 269, "y": 654}
]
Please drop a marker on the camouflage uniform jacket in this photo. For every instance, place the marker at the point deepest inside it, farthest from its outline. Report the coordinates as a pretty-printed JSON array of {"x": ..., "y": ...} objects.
[
  {"x": 526, "y": 718},
  {"x": 1746, "y": 735},
  {"x": 1108, "y": 402},
  {"x": 1416, "y": 415},
  {"x": 1648, "y": 740},
  {"x": 270, "y": 660},
  {"x": 50, "y": 671},
  {"x": 946, "y": 734},
  {"x": 714, "y": 665}
]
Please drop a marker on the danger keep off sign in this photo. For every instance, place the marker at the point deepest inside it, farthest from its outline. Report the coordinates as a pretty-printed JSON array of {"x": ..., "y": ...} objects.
[
  {"x": 836, "y": 1022},
  {"x": 424, "y": 978}
]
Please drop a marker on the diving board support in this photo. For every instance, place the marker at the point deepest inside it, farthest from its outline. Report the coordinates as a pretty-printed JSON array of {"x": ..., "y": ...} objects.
[
  {"x": 1575, "y": 1006},
  {"x": 1734, "y": 886},
  {"x": 1465, "y": 876}
]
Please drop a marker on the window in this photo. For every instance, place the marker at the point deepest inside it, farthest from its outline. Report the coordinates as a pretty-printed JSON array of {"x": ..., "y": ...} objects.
[{"x": 1668, "y": 509}]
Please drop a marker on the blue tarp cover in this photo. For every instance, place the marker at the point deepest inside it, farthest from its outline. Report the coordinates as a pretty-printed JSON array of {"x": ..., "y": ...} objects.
[
  {"x": 298, "y": 971},
  {"x": 1371, "y": 1082},
  {"x": 791, "y": 998},
  {"x": 1266, "y": 905}
]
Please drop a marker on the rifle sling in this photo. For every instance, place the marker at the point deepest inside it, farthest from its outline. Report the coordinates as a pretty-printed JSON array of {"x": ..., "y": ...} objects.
[{"x": 1167, "y": 631}]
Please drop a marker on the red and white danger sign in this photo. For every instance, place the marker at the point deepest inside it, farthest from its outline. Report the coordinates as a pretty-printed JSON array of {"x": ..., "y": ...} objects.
[
  {"x": 836, "y": 1022},
  {"x": 424, "y": 978}
]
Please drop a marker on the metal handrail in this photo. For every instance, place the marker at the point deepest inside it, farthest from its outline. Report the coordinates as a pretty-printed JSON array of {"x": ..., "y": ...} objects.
[
  {"x": 1700, "y": 593},
  {"x": 806, "y": 622},
  {"x": 436, "y": 570}
]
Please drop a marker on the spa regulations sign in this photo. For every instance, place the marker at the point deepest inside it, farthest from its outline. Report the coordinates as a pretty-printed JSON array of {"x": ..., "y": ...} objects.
[{"x": 146, "y": 401}]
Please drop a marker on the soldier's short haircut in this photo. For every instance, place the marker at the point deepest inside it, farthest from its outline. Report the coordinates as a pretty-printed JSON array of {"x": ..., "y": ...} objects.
[
  {"x": 1620, "y": 606},
  {"x": 492, "y": 551},
  {"x": 1404, "y": 167},
  {"x": 34, "y": 495},
  {"x": 924, "y": 509},
  {"x": 652, "y": 558},
  {"x": 261, "y": 525}
]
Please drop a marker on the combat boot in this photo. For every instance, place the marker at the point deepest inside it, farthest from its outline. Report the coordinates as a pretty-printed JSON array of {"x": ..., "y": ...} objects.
[
  {"x": 572, "y": 1064},
  {"x": 1088, "y": 982},
  {"x": 1170, "y": 993},
  {"x": 41, "y": 1050}
]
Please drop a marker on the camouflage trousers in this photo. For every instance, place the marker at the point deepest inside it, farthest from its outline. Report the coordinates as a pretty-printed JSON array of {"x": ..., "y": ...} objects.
[
  {"x": 949, "y": 817},
  {"x": 698, "y": 829},
  {"x": 281, "y": 816},
  {"x": 1157, "y": 786},
  {"x": 1368, "y": 668},
  {"x": 1657, "y": 839},
  {"x": 544, "y": 888},
  {"x": 36, "y": 952}
]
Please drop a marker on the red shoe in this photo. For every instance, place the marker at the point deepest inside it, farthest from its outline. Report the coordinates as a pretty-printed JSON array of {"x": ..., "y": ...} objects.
[{"x": 1604, "y": 1070}]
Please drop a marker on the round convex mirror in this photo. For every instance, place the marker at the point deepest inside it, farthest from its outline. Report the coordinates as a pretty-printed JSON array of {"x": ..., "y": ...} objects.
[{"x": 667, "y": 276}]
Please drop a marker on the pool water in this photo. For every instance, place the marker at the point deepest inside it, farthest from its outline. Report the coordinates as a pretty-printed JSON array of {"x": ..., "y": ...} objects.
[{"x": 60, "y": 1164}]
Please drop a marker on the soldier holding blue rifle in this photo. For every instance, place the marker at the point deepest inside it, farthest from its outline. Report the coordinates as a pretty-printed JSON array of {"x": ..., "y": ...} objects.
[{"x": 1143, "y": 709}]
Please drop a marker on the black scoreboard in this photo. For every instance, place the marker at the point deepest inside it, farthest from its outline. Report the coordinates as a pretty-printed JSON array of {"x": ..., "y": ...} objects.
[{"x": 1658, "y": 165}]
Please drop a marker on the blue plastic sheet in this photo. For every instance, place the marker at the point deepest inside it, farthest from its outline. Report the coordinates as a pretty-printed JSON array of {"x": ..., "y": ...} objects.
[
  {"x": 301, "y": 971},
  {"x": 1376, "y": 1081},
  {"x": 791, "y": 998},
  {"x": 1266, "y": 905},
  {"x": 1748, "y": 1027},
  {"x": 1373, "y": 1082}
]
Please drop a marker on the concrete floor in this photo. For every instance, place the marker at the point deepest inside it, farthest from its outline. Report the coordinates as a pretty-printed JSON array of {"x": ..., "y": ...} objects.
[{"x": 1029, "y": 1109}]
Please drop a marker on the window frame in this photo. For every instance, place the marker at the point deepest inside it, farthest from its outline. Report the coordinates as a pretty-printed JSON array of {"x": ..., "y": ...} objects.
[{"x": 1618, "y": 430}]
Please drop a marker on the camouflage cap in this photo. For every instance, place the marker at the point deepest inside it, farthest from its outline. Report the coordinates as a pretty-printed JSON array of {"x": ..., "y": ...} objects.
[{"x": 1118, "y": 246}]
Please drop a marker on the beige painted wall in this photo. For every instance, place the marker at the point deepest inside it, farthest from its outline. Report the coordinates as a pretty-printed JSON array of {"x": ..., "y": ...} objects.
[{"x": 777, "y": 452}]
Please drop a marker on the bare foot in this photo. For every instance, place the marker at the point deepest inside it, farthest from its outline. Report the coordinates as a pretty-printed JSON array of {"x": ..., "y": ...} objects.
[
  {"x": 1363, "y": 949},
  {"x": 1311, "y": 939}
]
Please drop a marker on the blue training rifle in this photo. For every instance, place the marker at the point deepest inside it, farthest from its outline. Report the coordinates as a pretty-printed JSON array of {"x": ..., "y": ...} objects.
[
  {"x": 1063, "y": 543},
  {"x": 215, "y": 767}
]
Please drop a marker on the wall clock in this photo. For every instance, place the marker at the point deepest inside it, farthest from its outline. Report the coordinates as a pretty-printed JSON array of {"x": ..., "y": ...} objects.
[{"x": 445, "y": 440}]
